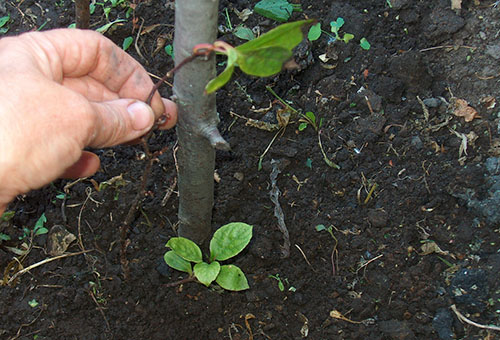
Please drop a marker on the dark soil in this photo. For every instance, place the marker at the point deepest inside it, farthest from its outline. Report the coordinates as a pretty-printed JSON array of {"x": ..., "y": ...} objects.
[{"x": 406, "y": 180}]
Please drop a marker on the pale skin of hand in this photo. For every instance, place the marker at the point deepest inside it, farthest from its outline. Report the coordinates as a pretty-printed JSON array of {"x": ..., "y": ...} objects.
[{"x": 60, "y": 92}]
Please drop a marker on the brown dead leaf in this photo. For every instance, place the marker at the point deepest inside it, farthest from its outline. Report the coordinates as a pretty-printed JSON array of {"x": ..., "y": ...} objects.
[
  {"x": 456, "y": 4},
  {"x": 149, "y": 29},
  {"x": 432, "y": 247},
  {"x": 461, "y": 108}
]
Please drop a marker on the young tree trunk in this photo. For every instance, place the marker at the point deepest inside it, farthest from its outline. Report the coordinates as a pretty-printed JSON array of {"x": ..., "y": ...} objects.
[
  {"x": 82, "y": 13},
  {"x": 195, "y": 23}
]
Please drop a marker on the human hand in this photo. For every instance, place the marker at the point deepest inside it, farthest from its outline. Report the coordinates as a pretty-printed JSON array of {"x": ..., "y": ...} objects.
[{"x": 62, "y": 91}]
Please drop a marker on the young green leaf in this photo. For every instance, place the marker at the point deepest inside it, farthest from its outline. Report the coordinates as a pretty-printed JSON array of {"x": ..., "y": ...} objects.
[
  {"x": 39, "y": 229},
  {"x": 219, "y": 81},
  {"x": 229, "y": 240},
  {"x": 177, "y": 262},
  {"x": 348, "y": 37},
  {"x": 314, "y": 32},
  {"x": 6, "y": 216},
  {"x": 4, "y": 20},
  {"x": 311, "y": 116},
  {"x": 206, "y": 273},
  {"x": 302, "y": 126},
  {"x": 279, "y": 10},
  {"x": 185, "y": 248},
  {"x": 264, "y": 62},
  {"x": 169, "y": 49},
  {"x": 127, "y": 42},
  {"x": 336, "y": 25},
  {"x": 244, "y": 33},
  {"x": 232, "y": 278},
  {"x": 287, "y": 36},
  {"x": 364, "y": 44}
]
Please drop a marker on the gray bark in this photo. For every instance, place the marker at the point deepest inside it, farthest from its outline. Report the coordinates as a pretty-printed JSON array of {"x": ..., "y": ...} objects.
[{"x": 195, "y": 23}]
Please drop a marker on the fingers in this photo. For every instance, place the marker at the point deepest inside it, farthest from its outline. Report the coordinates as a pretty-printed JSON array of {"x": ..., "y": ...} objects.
[
  {"x": 90, "y": 64},
  {"x": 86, "y": 166},
  {"x": 123, "y": 120}
]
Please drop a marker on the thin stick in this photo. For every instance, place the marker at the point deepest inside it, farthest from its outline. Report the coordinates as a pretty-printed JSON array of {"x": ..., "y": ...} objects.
[
  {"x": 461, "y": 317},
  {"x": 33, "y": 266},
  {"x": 446, "y": 46},
  {"x": 100, "y": 310},
  {"x": 305, "y": 257},
  {"x": 180, "y": 282}
]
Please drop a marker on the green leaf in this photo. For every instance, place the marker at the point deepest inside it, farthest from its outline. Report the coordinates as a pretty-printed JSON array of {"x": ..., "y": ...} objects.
[
  {"x": 314, "y": 32},
  {"x": 39, "y": 228},
  {"x": 185, "y": 248},
  {"x": 311, "y": 116},
  {"x": 364, "y": 44},
  {"x": 287, "y": 36},
  {"x": 279, "y": 10},
  {"x": 336, "y": 25},
  {"x": 244, "y": 33},
  {"x": 169, "y": 49},
  {"x": 264, "y": 62},
  {"x": 302, "y": 126},
  {"x": 320, "y": 227},
  {"x": 6, "y": 216},
  {"x": 33, "y": 303},
  {"x": 206, "y": 273},
  {"x": 348, "y": 37},
  {"x": 103, "y": 29},
  {"x": 232, "y": 278},
  {"x": 219, "y": 81},
  {"x": 4, "y": 237},
  {"x": 175, "y": 261},
  {"x": 230, "y": 240},
  {"x": 127, "y": 42},
  {"x": 4, "y": 20}
]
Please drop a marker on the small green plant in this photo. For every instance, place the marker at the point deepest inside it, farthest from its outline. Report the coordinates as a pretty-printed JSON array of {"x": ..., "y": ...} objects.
[
  {"x": 335, "y": 28},
  {"x": 309, "y": 119},
  {"x": 227, "y": 242},
  {"x": 315, "y": 32},
  {"x": 279, "y": 10},
  {"x": 169, "y": 50},
  {"x": 281, "y": 283},
  {"x": 39, "y": 228}
]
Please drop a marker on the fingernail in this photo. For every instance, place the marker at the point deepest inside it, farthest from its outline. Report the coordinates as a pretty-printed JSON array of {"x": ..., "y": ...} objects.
[{"x": 141, "y": 115}]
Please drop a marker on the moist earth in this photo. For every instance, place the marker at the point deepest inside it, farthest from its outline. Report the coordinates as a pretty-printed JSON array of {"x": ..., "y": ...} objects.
[{"x": 412, "y": 212}]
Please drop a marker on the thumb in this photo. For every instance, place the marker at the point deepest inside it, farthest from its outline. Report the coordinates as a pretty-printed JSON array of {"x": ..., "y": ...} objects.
[{"x": 119, "y": 121}]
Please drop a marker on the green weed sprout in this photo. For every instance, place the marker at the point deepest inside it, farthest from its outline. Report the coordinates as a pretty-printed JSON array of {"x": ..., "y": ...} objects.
[
  {"x": 228, "y": 241},
  {"x": 309, "y": 119},
  {"x": 335, "y": 28}
]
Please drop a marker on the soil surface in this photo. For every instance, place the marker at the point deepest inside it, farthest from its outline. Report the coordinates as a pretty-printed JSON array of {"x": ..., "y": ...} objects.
[{"x": 412, "y": 212}]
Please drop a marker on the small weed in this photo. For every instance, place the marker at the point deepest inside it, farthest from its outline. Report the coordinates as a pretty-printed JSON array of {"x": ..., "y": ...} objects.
[
  {"x": 281, "y": 283},
  {"x": 227, "y": 242},
  {"x": 309, "y": 119},
  {"x": 315, "y": 32},
  {"x": 33, "y": 303},
  {"x": 39, "y": 229}
]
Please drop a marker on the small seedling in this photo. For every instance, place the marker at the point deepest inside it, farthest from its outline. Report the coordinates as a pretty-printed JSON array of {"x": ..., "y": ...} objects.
[
  {"x": 279, "y": 10},
  {"x": 335, "y": 28},
  {"x": 33, "y": 303},
  {"x": 309, "y": 119},
  {"x": 281, "y": 283},
  {"x": 314, "y": 32},
  {"x": 39, "y": 229},
  {"x": 335, "y": 252},
  {"x": 227, "y": 242}
]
